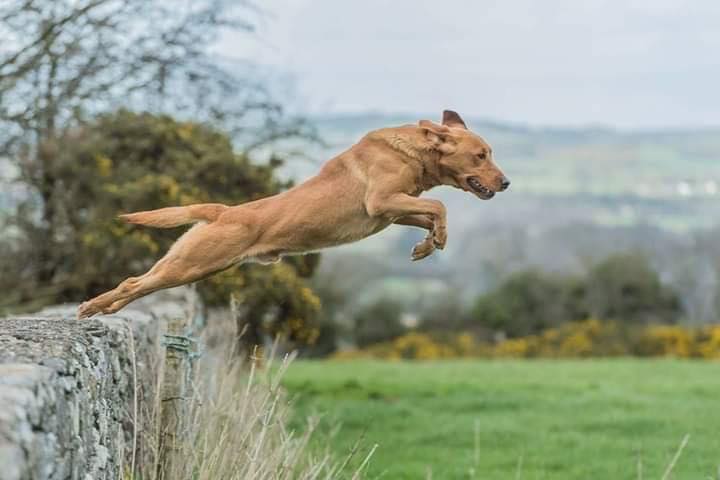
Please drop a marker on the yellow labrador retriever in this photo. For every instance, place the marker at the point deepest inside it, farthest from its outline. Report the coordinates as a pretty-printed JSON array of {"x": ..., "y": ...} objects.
[{"x": 375, "y": 183}]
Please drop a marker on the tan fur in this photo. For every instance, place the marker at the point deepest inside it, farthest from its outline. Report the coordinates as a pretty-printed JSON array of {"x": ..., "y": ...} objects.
[{"x": 375, "y": 183}]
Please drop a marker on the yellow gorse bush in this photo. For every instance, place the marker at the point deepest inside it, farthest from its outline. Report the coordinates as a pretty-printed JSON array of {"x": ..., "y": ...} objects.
[
  {"x": 589, "y": 338},
  {"x": 669, "y": 340},
  {"x": 709, "y": 343}
]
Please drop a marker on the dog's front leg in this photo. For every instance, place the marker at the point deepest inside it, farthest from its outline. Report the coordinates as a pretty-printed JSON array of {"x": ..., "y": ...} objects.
[
  {"x": 426, "y": 247},
  {"x": 400, "y": 205},
  {"x": 421, "y": 221}
]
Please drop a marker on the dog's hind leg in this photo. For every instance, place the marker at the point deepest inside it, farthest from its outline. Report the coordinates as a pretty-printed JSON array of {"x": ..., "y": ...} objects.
[{"x": 203, "y": 250}]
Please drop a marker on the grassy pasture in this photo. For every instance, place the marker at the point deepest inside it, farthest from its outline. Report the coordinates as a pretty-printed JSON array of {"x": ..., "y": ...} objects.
[{"x": 507, "y": 419}]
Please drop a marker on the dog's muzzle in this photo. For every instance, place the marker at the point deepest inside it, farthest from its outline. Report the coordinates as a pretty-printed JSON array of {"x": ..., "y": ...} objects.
[{"x": 477, "y": 187}]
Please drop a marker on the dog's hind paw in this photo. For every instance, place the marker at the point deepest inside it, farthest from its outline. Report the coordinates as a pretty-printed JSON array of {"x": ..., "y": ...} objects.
[{"x": 87, "y": 310}]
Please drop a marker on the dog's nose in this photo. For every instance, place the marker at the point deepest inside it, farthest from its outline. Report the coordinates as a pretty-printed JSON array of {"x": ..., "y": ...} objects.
[{"x": 505, "y": 183}]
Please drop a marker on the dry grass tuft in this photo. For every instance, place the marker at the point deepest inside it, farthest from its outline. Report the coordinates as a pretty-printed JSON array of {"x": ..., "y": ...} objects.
[{"x": 237, "y": 428}]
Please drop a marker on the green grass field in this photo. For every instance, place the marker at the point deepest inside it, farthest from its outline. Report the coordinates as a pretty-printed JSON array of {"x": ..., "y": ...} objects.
[{"x": 584, "y": 419}]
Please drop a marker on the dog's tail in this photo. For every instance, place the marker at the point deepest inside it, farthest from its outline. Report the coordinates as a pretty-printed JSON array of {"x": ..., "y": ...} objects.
[{"x": 176, "y": 216}]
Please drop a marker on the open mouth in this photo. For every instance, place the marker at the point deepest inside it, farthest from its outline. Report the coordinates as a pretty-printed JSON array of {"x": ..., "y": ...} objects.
[{"x": 477, "y": 187}]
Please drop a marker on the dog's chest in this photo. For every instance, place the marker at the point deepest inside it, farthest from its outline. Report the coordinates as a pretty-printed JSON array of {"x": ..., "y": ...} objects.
[{"x": 357, "y": 230}]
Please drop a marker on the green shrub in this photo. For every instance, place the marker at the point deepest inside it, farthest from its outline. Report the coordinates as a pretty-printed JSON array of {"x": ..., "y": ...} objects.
[
  {"x": 622, "y": 287},
  {"x": 529, "y": 302},
  {"x": 378, "y": 322},
  {"x": 626, "y": 288}
]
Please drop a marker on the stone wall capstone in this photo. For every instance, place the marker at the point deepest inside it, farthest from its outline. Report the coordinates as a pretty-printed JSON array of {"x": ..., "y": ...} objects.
[{"x": 67, "y": 387}]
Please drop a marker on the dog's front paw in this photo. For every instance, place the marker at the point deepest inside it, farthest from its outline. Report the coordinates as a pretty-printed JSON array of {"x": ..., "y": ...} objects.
[
  {"x": 439, "y": 237},
  {"x": 423, "y": 249}
]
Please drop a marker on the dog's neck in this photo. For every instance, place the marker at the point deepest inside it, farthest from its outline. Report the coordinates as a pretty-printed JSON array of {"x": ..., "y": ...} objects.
[
  {"x": 418, "y": 153},
  {"x": 431, "y": 175}
]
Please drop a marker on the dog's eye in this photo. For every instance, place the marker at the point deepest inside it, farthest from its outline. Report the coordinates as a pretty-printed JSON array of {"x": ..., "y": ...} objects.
[{"x": 482, "y": 156}]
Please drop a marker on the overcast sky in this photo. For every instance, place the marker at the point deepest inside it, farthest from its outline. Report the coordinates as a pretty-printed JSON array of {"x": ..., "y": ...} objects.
[{"x": 639, "y": 64}]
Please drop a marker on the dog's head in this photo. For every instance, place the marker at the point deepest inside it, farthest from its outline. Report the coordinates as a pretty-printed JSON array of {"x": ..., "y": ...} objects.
[{"x": 465, "y": 160}]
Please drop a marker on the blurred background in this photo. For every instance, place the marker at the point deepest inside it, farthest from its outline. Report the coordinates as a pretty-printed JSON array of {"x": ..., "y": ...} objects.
[{"x": 603, "y": 114}]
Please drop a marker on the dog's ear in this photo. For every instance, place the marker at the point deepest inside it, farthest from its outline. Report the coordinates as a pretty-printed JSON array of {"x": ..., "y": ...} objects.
[
  {"x": 439, "y": 136},
  {"x": 452, "y": 119}
]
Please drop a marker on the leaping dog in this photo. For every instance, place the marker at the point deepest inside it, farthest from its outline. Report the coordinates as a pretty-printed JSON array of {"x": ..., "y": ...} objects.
[{"x": 374, "y": 184}]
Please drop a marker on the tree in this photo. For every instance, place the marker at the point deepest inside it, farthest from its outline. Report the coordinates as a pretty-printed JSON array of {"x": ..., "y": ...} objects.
[
  {"x": 445, "y": 314},
  {"x": 625, "y": 287},
  {"x": 622, "y": 287},
  {"x": 64, "y": 61},
  {"x": 378, "y": 322},
  {"x": 529, "y": 302}
]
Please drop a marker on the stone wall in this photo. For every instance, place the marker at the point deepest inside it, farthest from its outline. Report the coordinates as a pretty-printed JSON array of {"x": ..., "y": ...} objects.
[{"x": 67, "y": 389}]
